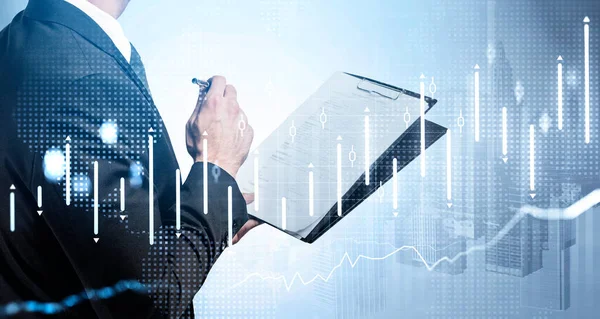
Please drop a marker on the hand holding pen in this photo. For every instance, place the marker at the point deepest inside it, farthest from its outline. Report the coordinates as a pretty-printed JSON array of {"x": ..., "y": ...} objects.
[
  {"x": 216, "y": 122},
  {"x": 218, "y": 114},
  {"x": 203, "y": 89}
]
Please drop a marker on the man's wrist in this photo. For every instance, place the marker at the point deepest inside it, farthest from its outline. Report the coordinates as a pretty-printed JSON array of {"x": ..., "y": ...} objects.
[{"x": 218, "y": 198}]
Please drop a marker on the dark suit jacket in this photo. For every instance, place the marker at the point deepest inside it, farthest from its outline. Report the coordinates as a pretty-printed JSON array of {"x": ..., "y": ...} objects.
[{"x": 61, "y": 76}]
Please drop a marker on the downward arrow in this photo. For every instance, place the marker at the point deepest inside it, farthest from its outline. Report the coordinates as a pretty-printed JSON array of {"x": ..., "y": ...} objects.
[
  {"x": 449, "y": 205},
  {"x": 96, "y": 239},
  {"x": 123, "y": 217},
  {"x": 395, "y": 214},
  {"x": 178, "y": 234},
  {"x": 40, "y": 212},
  {"x": 505, "y": 159},
  {"x": 532, "y": 195}
]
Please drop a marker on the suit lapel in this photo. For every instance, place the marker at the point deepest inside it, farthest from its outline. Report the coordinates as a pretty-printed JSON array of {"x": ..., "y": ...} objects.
[
  {"x": 138, "y": 67},
  {"x": 63, "y": 13}
]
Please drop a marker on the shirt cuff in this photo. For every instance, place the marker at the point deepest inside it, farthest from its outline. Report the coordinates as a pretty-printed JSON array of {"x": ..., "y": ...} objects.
[{"x": 218, "y": 181}]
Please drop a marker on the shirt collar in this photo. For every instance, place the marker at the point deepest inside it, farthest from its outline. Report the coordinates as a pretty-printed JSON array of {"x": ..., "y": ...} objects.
[{"x": 108, "y": 24}]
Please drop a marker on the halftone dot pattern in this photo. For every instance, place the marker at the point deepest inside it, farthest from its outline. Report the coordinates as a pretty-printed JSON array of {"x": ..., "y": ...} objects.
[
  {"x": 105, "y": 115},
  {"x": 516, "y": 43},
  {"x": 51, "y": 110},
  {"x": 519, "y": 75},
  {"x": 181, "y": 264}
]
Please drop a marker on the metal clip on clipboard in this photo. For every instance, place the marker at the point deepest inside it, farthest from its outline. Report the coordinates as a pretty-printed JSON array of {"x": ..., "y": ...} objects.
[
  {"x": 375, "y": 88},
  {"x": 388, "y": 91}
]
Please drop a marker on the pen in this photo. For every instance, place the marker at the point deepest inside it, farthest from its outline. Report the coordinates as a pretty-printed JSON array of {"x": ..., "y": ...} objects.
[{"x": 203, "y": 85}]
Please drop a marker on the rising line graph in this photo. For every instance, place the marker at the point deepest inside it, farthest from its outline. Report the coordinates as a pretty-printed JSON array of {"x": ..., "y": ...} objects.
[{"x": 571, "y": 212}]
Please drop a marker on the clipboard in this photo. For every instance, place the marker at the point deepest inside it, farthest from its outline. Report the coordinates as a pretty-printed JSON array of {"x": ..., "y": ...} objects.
[{"x": 329, "y": 122}]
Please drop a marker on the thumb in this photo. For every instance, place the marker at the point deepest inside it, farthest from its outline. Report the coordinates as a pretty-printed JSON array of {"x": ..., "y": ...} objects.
[{"x": 249, "y": 197}]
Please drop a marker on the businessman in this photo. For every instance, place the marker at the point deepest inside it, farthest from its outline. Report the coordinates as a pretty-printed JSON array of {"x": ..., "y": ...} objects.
[{"x": 76, "y": 118}]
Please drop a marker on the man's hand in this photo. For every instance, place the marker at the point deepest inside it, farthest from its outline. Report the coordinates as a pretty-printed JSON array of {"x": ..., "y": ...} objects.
[
  {"x": 251, "y": 223},
  {"x": 219, "y": 115}
]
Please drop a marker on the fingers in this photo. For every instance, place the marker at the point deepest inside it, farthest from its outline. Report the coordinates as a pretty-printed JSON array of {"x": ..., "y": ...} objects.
[
  {"x": 249, "y": 197},
  {"x": 244, "y": 230},
  {"x": 217, "y": 86},
  {"x": 230, "y": 92},
  {"x": 220, "y": 115}
]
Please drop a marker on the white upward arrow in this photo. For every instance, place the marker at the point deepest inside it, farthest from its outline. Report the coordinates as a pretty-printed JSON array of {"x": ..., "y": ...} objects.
[
  {"x": 12, "y": 208},
  {"x": 395, "y": 185},
  {"x": 68, "y": 171},
  {"x": 311, "y": 191},
  {"x": 151, "y": 188},
  {"x": 504, "y": 134},
  {"x": 422, "y": 122},
  {"x": 476, "y": 81},
  {"x": 586, "y": 75},
  {"x": 559, "y": 71},
  {"x": 449, "y": 167},
  {"x": 339, "y": 177},
  {"x": 256, "y": 181}
]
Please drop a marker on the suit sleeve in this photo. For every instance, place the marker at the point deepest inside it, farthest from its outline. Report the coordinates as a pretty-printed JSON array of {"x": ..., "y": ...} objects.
[
  {"x": 184, "y": 260},
  {"x": 107, "y": 121}
]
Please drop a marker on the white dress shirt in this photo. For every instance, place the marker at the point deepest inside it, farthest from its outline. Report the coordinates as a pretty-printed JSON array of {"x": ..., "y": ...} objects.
[{"x": 110, "y": 25}]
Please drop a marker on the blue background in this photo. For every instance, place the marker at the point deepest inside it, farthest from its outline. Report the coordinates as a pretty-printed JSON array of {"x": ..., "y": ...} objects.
[{"x": 277, "y": 52}]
